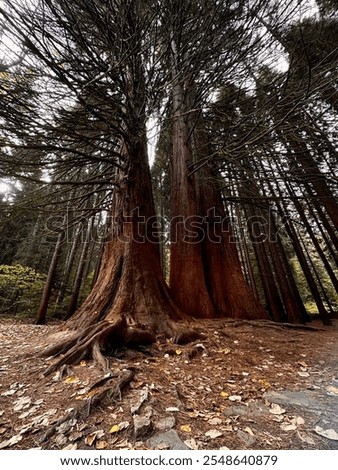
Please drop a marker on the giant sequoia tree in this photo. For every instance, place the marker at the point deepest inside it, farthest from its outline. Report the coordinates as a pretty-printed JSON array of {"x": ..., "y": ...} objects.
[
  {"x": 102, "y": 62},
  {"x": 103, "y": 67},
  {"x": 211, "y": 282}
]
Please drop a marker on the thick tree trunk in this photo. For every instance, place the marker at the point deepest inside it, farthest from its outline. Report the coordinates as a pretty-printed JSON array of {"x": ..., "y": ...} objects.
[
  {"x": 187, "y": 280},
  {"x": 130, "y": 283},
  {"x": 231, "y": 295}
]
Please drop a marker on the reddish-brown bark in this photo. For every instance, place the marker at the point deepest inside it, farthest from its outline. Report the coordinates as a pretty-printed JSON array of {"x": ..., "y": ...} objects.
[
  {"x": 206, "y": 277},
  {"x": 228, "y": 289},
  {"x": 130, "y": 283},
  {"x": 187, "y": 280}
]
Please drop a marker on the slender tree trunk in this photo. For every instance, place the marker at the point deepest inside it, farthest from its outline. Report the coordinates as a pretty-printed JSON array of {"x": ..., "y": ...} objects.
[
  {"x": 69, "y": 265},
  {"x": 272, "y": 296},
  {"x": 292, "y": 300},
  {"x": 307, "y": 271},
  {"x": 312, "y": 174},
  {"x": 80, "y": 271},
  {"x": 41, "y": 314},
  {"x": 296, "y": 312},
  {"x": 316, "y": 244},
  {"x": 333, "y": 234},
  {"x": 246, "y": 254},
  {"x": 248, "y": 263},
  {"x": 325, "y": 236},
  {"x": 291, "y": 231},
  {"x": 316, "y": 275}
]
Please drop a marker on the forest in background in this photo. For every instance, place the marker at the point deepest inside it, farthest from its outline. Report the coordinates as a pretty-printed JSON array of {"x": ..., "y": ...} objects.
[{"x": 237, "y": 214}]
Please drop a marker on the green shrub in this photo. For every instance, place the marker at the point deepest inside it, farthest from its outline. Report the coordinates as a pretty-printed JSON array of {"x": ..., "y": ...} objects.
[{"x": 20, "y": 290}]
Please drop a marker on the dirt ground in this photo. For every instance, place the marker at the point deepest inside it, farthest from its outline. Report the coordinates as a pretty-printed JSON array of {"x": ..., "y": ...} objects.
[{"x": 211, "y": 392}]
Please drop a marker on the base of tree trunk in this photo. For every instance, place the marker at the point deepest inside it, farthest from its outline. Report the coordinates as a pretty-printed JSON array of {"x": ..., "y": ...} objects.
[
  {"x": 106, "y": 338},
  {"x": 96, "y": 341}
]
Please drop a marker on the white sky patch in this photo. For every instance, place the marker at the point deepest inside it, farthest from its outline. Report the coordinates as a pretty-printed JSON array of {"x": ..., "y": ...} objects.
[{"x": 153, "y": 129}]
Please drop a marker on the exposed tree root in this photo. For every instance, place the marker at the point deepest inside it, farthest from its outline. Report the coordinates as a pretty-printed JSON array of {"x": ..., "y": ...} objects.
[
  {"x": 99, "y": 358},
  {"x": 187, "y": 336},
  {"x": 106, "y": 338},
  {"x": 271, "y": 324},
  {"x": 76, "y": 339},
  {"x": 106, "y": 397}
]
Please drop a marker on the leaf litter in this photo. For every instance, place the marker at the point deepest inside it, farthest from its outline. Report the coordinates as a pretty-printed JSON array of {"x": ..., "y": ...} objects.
[{"x": 235, "y": 368}]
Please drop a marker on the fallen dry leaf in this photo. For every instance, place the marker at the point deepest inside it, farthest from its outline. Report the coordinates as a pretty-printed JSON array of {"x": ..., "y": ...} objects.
[
  {"x": 276, "y": 409},
  {"x": 288, "y": 427},
  {"x": 100, "y": 445},
  {"x": 302, "y": 363},
  {"x": 185, "y": 428},
  {"x": 213, "y": 433},
  {"x": 72, "y": 380},
  {"x": 192, "y": 444},
  {"x": 303, "y": 374},
  {"x": 123, "y": 425},
  {"x": 115, "y": 428},
  {"x": 265, "y": 383},
  {"x": 22, "y": 403},
  {"x": 249, "y": 431},
  {"x": 61, "y": 440},
  {"x": 305, "y": 438},
  {"x": 75, "y": 436},
  {"x": 224, "y": 351},
  {"x": 70, "y": 447},
  {"x": 11, "y": 442},
  {"x": 215, "y": 421},
  {"x": 235, "y": 398},
  {"x": 9, "y": 392},
  {"x": 298, "y": 421},
  {"x": 328, "y": 433},
  {"x": 94, "y": 435}
]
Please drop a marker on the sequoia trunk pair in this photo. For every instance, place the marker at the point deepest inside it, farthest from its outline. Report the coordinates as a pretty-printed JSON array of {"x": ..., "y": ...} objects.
[{"x": 206, "y": 278}]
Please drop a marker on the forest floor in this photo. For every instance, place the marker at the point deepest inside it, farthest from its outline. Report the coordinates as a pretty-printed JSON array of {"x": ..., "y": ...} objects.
[{"x": 241, "y": 386}]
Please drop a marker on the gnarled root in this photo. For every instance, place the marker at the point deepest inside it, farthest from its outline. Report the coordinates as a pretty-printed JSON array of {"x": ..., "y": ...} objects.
[
  {"x": 106, "y": 397},
  {"x": 96, "y": 341},
  {"x": 105, "y": 338},
  {"x": 92, "y": 339}
]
